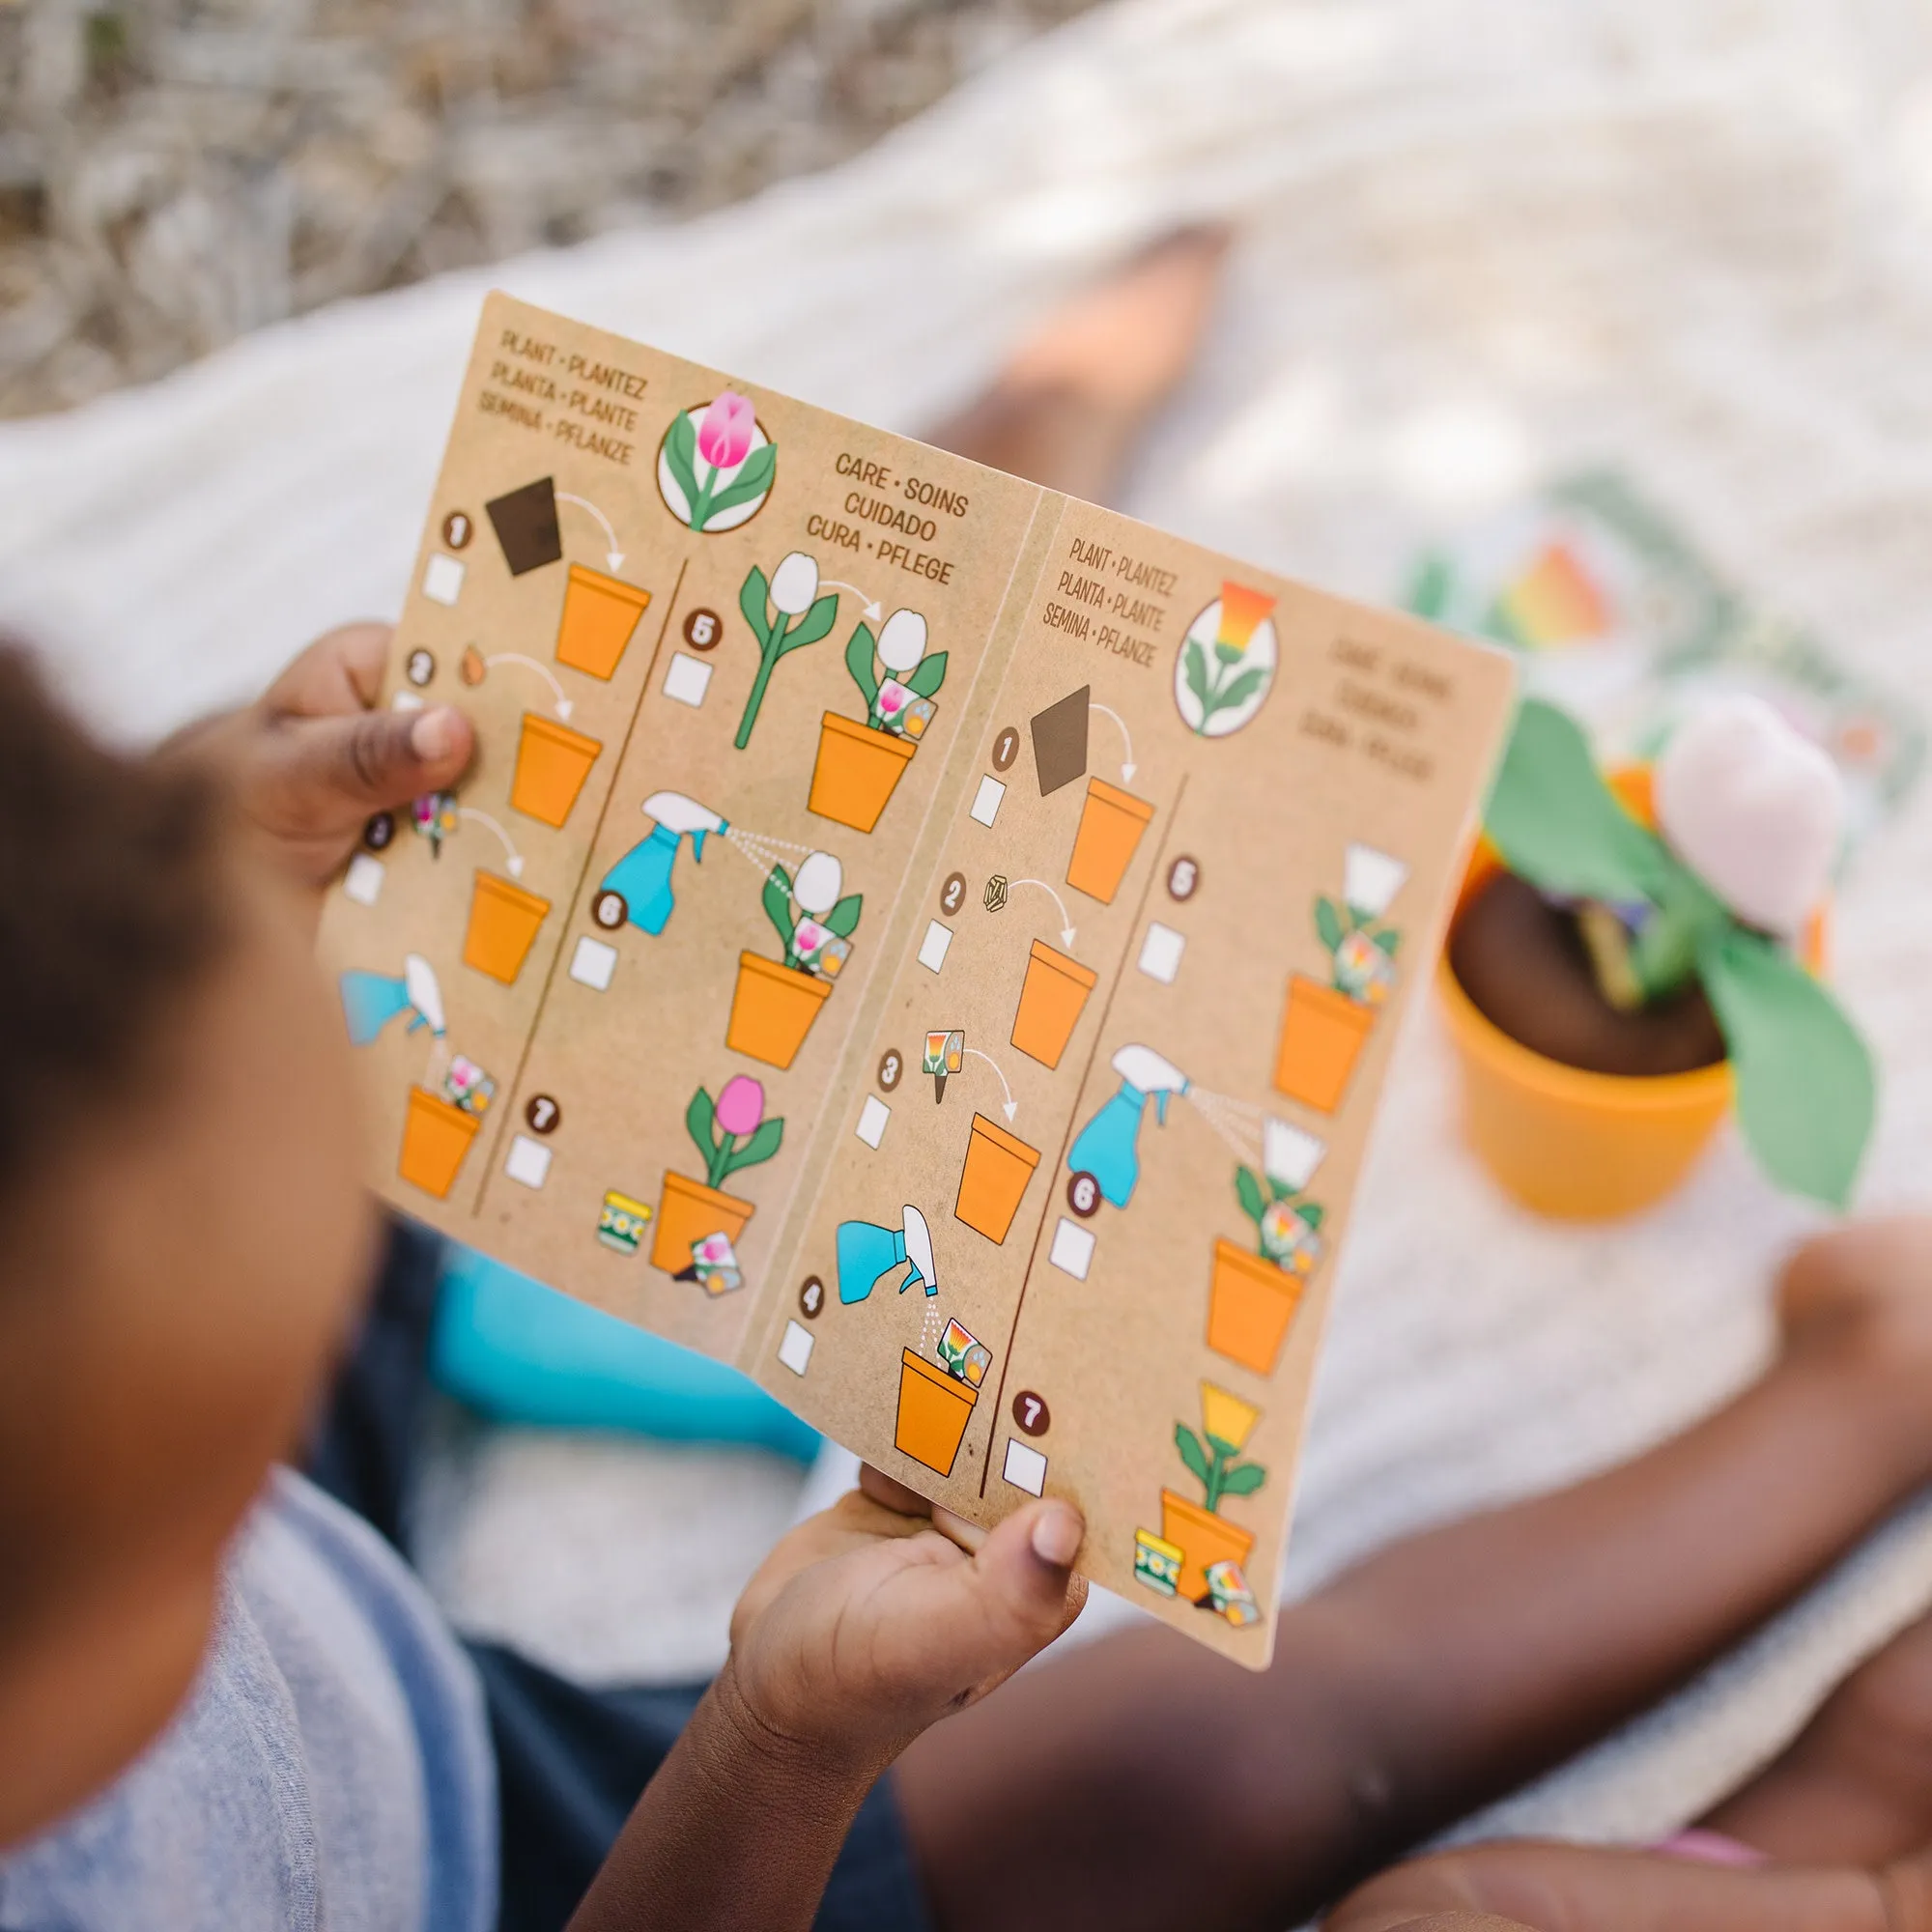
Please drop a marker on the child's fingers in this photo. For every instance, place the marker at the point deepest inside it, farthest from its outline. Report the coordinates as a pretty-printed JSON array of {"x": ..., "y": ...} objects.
[
  {"x": 1017, "y": 1594},
  {"x": 892, "y": 1493},
  {"x": 369, "y": 760}
]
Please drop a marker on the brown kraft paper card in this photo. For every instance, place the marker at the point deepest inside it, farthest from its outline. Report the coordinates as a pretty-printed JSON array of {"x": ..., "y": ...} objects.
[{"x": 927, "y": 941}]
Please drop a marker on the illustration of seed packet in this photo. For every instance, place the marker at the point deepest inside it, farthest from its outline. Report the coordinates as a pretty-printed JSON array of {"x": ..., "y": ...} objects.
[
  {"x": 621, "y": 1223},
  {"x": 713, "y": 1266},
  {"x": 1229, "y": 1591},
  {"x": 1157, "y": 1562},
  {"x": 963, "y": 1354},
  {"x": 467, "y": 1086}
]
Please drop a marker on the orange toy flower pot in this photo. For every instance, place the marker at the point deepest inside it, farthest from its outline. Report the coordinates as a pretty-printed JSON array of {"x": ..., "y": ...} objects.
[
  {"x": 1052, "y": 997},
  {"x": 1111, "y": 824},
  {"x": 1204, "y": 1538},
  {"x": 857, "y": 771},
  {"x": 599, "y": 616},
  {"x": 503, "y": 922},
  {"x": 772, "y": 1010},
  {"x": 934, "y": 1409},
  {"x": 1250, "y": 1304},
  {"x": 689, "y": 1211},
  {"x": 998, "y": 1167},
  {"x": 1322, "y": 1033},
  {"x": 553, "y": 761},
  {"x": 436, "y": 1136}
]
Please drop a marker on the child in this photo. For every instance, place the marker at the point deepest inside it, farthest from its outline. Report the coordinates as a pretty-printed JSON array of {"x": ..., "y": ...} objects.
[{"x": 224, "y": 1702}]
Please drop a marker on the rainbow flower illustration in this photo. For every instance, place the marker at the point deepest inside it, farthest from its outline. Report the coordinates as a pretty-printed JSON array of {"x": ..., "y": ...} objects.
[
  {"x": 716, "y": 471},
  {"x": 1226, "y": 661}
]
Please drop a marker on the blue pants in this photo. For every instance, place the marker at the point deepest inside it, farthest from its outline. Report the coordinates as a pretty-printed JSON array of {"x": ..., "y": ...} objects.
[{"x": 570, "y": 1762}]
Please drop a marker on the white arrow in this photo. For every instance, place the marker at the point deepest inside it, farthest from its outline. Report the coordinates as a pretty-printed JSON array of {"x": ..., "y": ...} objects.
[
  {"x": 1065, "y": 923},
  {"x": 875, "y": 610},
  {"x": 564, "y": 704},
  {"x": 1127, "y": 763},
  {"x": 1012, "y": 1106},
  {"x": 516, "y": 859},
  {"x": 613, "y": 556}
]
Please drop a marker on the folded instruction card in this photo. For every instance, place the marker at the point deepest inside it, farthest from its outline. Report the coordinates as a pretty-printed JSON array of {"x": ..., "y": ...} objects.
[{"x": 920, "y": 938}]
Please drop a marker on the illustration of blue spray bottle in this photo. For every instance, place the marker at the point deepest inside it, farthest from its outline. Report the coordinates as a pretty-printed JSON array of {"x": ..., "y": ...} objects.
[
  {"x": 638, "y": 887},
  {"x": 1108, "y": 1145},
  {"x": 866, "y": 1252},
  {"x": 370, "y": 1001}
]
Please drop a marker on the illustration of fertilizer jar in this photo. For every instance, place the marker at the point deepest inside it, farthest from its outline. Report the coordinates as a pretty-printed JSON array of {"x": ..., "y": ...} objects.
[
  {"x": 1194, "y": 1537},
  {"x": 936, "y": 1400},
  {"x": 621, "y": 1221},
  {"x": 553, "y": 763},
  {"x": 600, "y": 616},
  {"x": 1325, "y": 1026},
  {"x": 1252, "y": 1298},
  {"x": 772, "y": 610},
  {"x": 776, "y": 1002},
  {"x": 696, "y": 1216},
  {"x": 1226, "y": 661},
  {"x": 859, "y": 764},
  {"x": 1111, "y": 824},
  {"x": 715, "y": 469}
]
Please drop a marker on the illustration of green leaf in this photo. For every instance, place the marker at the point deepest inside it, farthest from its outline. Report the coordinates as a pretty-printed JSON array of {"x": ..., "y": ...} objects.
[
  {"x": 1191, "y": 1452},
  {"x": 858, "y": 648},
  {"x": 1278, "y": 1190},
  {"x": 1328, "y": 923},
  {"x": 844, "y": 916},
  {"x": 1388, "y": 941},
  {"x": 1194, "y": 668},
  {"x": 813, "y": 625},
  {"x": 778, "y": 903},
  {"x": 698, "y": 1123},
  {"x": 928, "y": 674},
  {"x": 1243, "y": 1479},
  {"x": 1240, "y": 689},
  {"x": 752, "y": 595},
  {"x": 1248, "y": 1191},
  {"x": 753, "y": 480},
  {"x": 763, "y": 1144},
  {"x": 1228, "y": 653},
  {"x": 680, "y": 454},
  {"x": 1311, "y": 1211}
]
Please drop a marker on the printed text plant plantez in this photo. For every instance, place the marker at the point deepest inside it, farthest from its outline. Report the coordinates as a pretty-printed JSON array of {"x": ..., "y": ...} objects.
[
  {"x": 814, "y": 921},
  {"x": 1227, "y": 1422},
  {"x": 733, "y": 1132},
  {"x": 721, "y": 444},
  {"x": 1748, "y": 817},
  {"x": 892, "y": 702},
  {"x": 792, "y": 593}
]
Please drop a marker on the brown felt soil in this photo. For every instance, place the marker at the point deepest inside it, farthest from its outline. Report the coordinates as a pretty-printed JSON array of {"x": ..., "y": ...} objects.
[{"x": 1524, "y": 967}]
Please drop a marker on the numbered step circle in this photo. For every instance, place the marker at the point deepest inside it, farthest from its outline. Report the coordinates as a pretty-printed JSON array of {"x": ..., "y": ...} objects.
[
  {"x": 458, "y": 528},
  {"x": 419, "y": 668},
  {"x": 892, "y": 1069},
  {"x": 609, "y": 910},
  {"x": 953, "y": 893},
  {"x": 1006, "y": 749},
  {"x": 543, "y": 1114},
  {"x": 1083, "y": 1194},
  {"x": 811, "y": 1297},
  {"x": 703, "y": 629},
  {"x": 1031, "y": 1413},
  {"x": 378, "y": 830}
]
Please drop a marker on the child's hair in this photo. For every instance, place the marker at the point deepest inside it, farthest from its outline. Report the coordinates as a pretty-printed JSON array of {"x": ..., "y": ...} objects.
[{"x": 112, "y": 909}]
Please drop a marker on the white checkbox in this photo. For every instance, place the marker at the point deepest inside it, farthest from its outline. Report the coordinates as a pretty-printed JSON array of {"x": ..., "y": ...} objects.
[
  {"x": 1072, "y": 1251},
  {"x": 443, "y": 578},
  {"x": 1160, "y": 952},
  {"x": 932, "y": 948},
  {"x": 795, "y": 1350},
  {"x": 687, "y": 679},
  {"x": 986, "y": 800},
  {"x": 592, "y": 964},
  {"x": 1026, "y": 1469},
  {"x": 528, "y": 1162},
  {"x": 363, "y": 881},
  {"x": 407, "y": 700},
  {"x": 872, "y": 1119}
]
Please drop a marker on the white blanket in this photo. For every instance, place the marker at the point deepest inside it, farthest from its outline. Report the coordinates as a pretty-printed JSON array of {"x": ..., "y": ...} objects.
[{"x": 1483, "y": 240}]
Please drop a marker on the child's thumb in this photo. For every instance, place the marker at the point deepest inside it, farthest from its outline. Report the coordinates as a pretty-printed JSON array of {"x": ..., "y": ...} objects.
[
  {"x": 1023, "y": 1576},
  {"x": 374, "y": 760}
]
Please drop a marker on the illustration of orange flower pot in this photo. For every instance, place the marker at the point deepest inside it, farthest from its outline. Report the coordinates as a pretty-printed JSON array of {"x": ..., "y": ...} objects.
[
  {"x": 503, "y": 922},
  {"x": 772, "y": 1010},
  {"x": 436, "y": 1136},
  {"x": 934, "y": 1409},
  {"x": 1251, "y": 1300},
  {"x": 600, "y": 614},
  {"x": 998, "y": 1167},
  {"x": 553, "y": 763},
  {"x": 1322, "y": 1033},
  {"x": 1203, "y": 1539},
  {"x": 1111, "y": 824},
  {"x": 856, "y": 772},
  {"x": 688, "y": 1211},
  {"x": 1052, "y": 998}
]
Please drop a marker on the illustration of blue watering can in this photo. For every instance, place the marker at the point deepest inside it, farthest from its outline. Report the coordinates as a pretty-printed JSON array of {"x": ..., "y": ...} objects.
[
  {"x": 1108, "y": 1145},
  {"x": 637, "y": 888},
  {"x": 868, "y": 1253},
  {"x": 370, "y": 1001}
]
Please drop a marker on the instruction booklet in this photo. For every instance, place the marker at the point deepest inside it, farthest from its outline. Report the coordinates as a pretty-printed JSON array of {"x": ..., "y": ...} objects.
[{"x": 925, "y": 940}]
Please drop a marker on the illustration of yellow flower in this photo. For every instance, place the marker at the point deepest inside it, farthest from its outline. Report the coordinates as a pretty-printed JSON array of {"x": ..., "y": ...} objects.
[{"x": 1226, "y": 1417}]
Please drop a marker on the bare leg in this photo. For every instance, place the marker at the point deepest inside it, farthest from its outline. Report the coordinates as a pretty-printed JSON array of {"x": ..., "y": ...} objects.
[
  {"x": 1067, "y": 410},
  {"x": 1143, "y": 1781}
]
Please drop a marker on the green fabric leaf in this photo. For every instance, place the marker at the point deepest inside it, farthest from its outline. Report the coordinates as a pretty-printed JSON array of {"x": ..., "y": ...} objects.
[
  {"x": 1243, "y": 1479},
  {"x": 778, "y": 903},
  {"x": 927, "y": 675},
  {"x": 844, "y": 916},
  {"x": 753, "y": 480},
  {"x": 1806, "y": 1090},
  {"x": 1248, "y": 1191},
  {"x": 813, "y": 625},
  {"x": 1191, "y": 1452},
  {"x": 680, "y": 453},
  {"x": 752, "y": 596},
  {"x": 1558, "y": 825},
  {"x": 697, "y": 1124},
  {"x": 1328, "y": 923},
  {"x": 858, "y": 649},
  {"x": 762, "y": 1145}
]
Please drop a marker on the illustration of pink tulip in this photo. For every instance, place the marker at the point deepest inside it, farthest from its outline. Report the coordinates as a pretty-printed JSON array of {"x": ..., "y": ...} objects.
[
  {"x": 716, "y": 471},
  {"x": 741, "y": 1106},
  {"x": 724, "y": 435},
  {"x": 733, "y": 1132}
]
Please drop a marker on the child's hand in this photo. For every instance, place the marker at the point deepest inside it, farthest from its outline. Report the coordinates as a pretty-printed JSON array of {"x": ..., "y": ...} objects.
[
  {"x": 865, "y": 1624},
  {"x": 311, "y": 759}
]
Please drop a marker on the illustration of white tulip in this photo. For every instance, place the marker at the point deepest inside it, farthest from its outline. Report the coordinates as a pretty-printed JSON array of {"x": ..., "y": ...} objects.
[
  {"x": 901, "y": 701},
  {"x": 902, "y": 641},
  {"x": 802, "y": 617},
  {"x": 819, "y": 881},
  {"x": 795, "y": 583}
]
